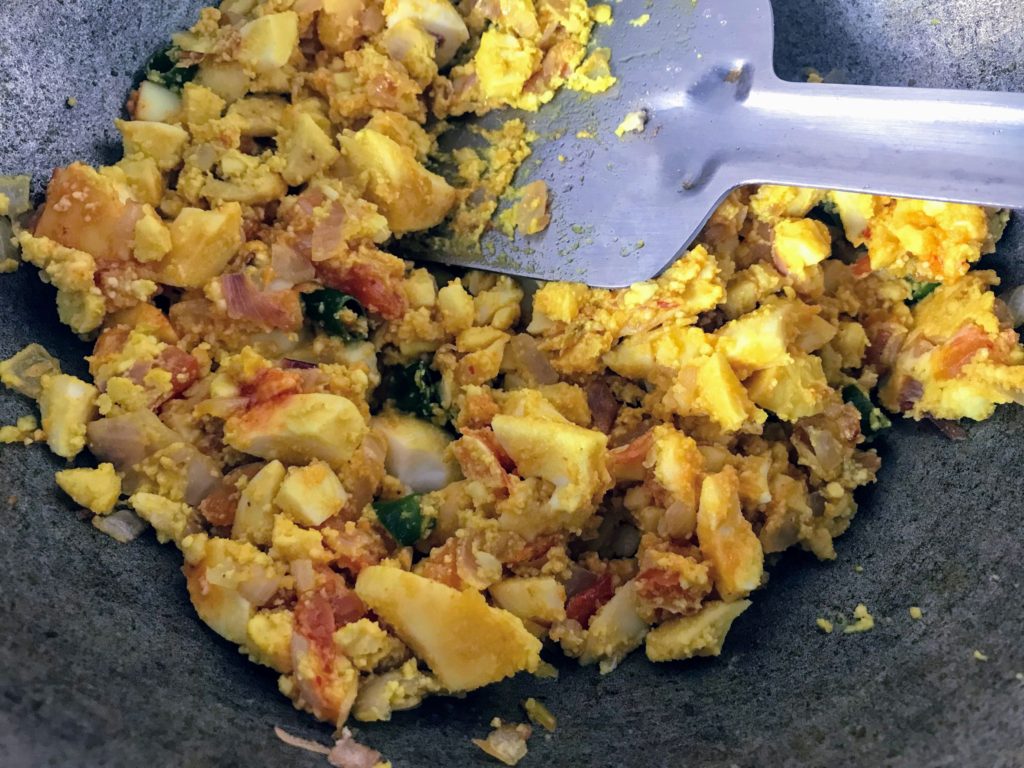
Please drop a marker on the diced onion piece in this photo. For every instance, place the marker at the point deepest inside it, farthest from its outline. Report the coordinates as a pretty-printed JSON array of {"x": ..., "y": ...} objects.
[
  {"x": 24, "y": 371},
  {"x": 123, "y": 525},
  {"x": 416, "y": 452},
  {"x": 126, "y": 440},
  {"x": 302, "y": 572},
  {"x": 1015, "y": 304},
  {"x": 290, "y": 267},
  {"x": 16, "y": 189},
  {"x": 259, "y": 589},
  {"x": 349, "y": 753},
  {"x": 507, "y": 742}
]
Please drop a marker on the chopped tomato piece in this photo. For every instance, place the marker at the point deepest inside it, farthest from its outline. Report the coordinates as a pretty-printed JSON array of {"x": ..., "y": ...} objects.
[
  {"x": 862, "y": 267},
  {"x": 271, "y": 383},
  {"x": 371, "y": 283},
  {"x": 583, "y": 605},
  {"x": 220, "y": 506},
  {"x": 958, "y": 351},
  {"x": 184, "y": 369},
  {"x": 324, "y": 609}
]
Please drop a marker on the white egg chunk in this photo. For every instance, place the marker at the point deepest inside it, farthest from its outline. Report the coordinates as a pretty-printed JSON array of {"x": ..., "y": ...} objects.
[
  {"x": 800, "y": 243},
  {"x": 304, "y": 146},
  {"x": 537, "y": 598},
  {"x": 95, "y": 489},
  {"x": 417, "y": 452},
  {"x": 410, "y": 197},
  {"x": 296, "y": 428},
  {"x": 202, "y": 244},
  {"x": 67, "y": 405},
  {"x": 311, "y": 494},
  {"x": 162, "y": 142},
  {"x": 856, "y": 211},
  {"x": 615, "y": 630},
  {"x": 701, "y": 634},
  {"x": 254, "y": 518},
  {"x": 568, "y": 456},
  {"x": 438, "y": 17},
  {"x": 465, "y": 642},
  {"x": 156, "y": 103},
  {"x": 269, "y": 41},
  {"x": 172, "y": 520},
  {"x": 726, "y": 537},
  {"x": 217, "y": 572}
]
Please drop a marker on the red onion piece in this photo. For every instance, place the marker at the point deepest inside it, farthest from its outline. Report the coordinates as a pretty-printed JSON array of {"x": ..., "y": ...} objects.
[
  {"x": 580, "y": 580},
  {"x": 126, "y": 440},
  {"x": 349, "y": 753},
  {"x": 523, "y": 348},
  {"x": 604, "y": 408},
  {"x": 951, "y": 429},
  {"x": 123, "y": 525},
  {"x": 203, "y": 476},
  {"x": 290, "y": 267},
  {"x": 1014, "y": 303},
  {"x": 300, "y": 743},
  {"x": 327, "y": 234},
  {"x": 274, "y": 309},
  {"x": 910, "y": 392}
]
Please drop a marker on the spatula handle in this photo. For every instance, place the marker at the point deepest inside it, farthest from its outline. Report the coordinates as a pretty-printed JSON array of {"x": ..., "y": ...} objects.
[{"x": 964, "y": 146}]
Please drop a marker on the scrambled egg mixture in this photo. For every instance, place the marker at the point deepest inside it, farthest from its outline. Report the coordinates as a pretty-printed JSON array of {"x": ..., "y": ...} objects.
[{"x": 386, "y": 484}]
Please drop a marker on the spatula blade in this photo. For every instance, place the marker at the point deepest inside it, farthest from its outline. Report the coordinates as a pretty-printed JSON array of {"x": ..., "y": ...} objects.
[{"x": 622, "y": 209}]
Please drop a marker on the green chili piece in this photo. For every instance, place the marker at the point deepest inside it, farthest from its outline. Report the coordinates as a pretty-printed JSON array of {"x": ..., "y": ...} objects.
[
  {"x": 403, "y": 519},
  {"x": 164, "y": 69},
  {"x": 337, "y": 313},
  {"x": 919, "y": 291},
  {"x": 415, "y": 389},
  {"x": 872, "y": 418}
]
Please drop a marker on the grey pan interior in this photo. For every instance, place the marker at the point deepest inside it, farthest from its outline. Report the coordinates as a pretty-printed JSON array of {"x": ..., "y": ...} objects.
[{"x": 102, "y": 662}]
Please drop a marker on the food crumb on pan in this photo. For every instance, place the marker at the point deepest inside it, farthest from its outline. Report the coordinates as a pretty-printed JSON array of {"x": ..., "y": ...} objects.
[
  {"x": 529, "y": 214},
  {"x": 601, "y": 13},
  {"x": 864, "y": 621},
  {"x": 640, "y": 20},
  {"x": 346, "y": 752},
  {"x": 25, "y": 431},
  {"x": 540, "y": 715},
  {"x": 824, "y": 625},
  {"x": 979, "y": 656},
  {"x": 915, "y": 612},
  {"x": 546, "y": 671},
  {"x": 858, "y": 568},
  {"x": 594, "y": 75},
  {"x": 507, "y": 742},
  {"x": 633, "y": 122}
]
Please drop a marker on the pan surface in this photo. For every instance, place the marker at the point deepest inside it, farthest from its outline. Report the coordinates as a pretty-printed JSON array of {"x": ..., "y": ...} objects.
[{"x": 103, "y": 662}]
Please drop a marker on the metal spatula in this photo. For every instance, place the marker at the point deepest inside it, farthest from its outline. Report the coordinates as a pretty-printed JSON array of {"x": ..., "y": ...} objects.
[{"x": 718, "y": 117}]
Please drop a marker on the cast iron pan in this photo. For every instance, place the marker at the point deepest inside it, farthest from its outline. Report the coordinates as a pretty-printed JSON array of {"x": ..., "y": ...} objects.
[{"x": 104, "y": 663}]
